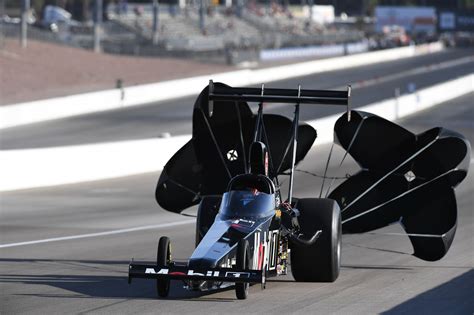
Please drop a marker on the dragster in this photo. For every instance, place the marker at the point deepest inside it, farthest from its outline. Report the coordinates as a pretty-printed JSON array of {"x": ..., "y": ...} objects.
[{"x": 248, "y": 231}]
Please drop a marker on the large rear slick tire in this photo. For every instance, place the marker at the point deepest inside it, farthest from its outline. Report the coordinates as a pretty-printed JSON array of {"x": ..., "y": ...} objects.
[
  {"x": 321, "y": 261},
  {"x": 242, "y": 263},
  {"x": 163, "y": 258}
]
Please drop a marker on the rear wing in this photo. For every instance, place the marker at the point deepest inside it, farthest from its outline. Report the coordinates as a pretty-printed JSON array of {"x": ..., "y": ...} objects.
[{"x": 272, "y": 95}]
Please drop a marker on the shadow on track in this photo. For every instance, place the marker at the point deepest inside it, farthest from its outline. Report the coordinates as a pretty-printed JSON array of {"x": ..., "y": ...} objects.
[
  {"x": 452, "y": 297},
  {"x": 402, "y": 267},
  {"x": 378, "y": 249},
  {"x": 108, "y": 287},
  {"x": 84, "y": 261},
  {"x": 376, "y": 267},
  {"x": 85, "y": 286}
]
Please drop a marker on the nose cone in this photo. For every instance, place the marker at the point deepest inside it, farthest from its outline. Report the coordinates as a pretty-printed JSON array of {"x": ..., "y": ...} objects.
[{"x": 213, "y": 247}]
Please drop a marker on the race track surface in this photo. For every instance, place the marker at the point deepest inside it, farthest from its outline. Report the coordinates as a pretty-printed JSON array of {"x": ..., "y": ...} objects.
[{"x": 88, "y": 274}]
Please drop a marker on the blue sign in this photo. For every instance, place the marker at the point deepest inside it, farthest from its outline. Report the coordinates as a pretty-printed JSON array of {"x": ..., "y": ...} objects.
[{"x": 456, "y": 21}]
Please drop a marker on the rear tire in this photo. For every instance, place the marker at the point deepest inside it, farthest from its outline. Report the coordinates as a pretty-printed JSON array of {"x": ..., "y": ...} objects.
[
  {"x": 206, "y": 215},
  {"x": 163, "y": 258},
  {"x": 242, "y": 263},
  {"x": 321, "y": 261}
]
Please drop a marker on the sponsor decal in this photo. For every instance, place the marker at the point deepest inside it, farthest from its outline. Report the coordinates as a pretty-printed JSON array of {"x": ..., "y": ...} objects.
[
  {"x": 233, "y": 274},
  {"x": 192, "y": 273},
  {"x": 246, "y": 201},
  {"x": 265, "y": 251},
  {"x": 163, "y": 271},
  {"x": 212, "y": 274},
  {"x": 250, "y": 196},
  {"x": 256, "y": 249},
  {"x": 273, "y": 249},
  {"x": 232, "y": 155},
  {"x": 242, "y": 223},
  {"x": 260, "y": 256},
  {"x": 209, "y": 273}
]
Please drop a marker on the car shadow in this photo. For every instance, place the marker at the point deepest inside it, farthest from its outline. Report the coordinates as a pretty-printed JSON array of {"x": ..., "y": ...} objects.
[
  {"x": 83, "y": 286},
  {"x": 373, "y": 267},
  {"x": 378, "y": 249},
  {"x": 85, "y": 261},
  {"x": 452, "y": 297},
  {"x": 108, "y": 287}
]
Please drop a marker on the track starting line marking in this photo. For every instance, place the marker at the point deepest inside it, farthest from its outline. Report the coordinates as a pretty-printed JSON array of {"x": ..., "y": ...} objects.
[{"x": 113, "y": 232}]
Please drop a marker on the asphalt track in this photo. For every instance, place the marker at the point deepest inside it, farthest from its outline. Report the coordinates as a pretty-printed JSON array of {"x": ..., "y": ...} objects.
[
  {"x": 371, "y": 84},
  {"x": 89, "y": 274}
]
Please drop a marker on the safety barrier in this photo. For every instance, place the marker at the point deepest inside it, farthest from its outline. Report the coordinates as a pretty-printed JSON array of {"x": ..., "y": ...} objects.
[
  {"x": 61, "y": 107},
  {"x": 30, "y": 168},
  {"x": 314, "y": 51}
]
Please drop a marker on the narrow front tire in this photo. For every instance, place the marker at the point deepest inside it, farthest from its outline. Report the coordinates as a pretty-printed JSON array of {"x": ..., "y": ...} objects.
[
  {"x": 163, "y": 258},
  {"x": 242, "y": 263}
]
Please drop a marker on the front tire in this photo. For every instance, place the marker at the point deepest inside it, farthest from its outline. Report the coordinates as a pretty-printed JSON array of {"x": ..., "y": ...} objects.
[
  {"x": 163, "y": 258},
  {"x": 321, "y": 261},
  {"x": 242, "y": 263}
]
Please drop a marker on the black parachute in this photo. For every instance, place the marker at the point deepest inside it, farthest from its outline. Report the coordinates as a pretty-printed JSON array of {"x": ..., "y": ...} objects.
[
  {"x": 218, "y": 151},
  {"x": 404, "y": 178}
]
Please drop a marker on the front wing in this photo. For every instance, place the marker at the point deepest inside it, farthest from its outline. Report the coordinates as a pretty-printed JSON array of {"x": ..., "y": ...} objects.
[{"x": 139, "y": 270}]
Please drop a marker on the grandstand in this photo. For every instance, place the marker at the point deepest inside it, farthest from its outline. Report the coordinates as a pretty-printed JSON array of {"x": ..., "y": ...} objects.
[{"x": 220, "y": 33}]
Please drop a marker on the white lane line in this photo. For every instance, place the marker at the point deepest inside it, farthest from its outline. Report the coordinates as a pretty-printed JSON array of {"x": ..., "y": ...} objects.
[{"x": 74, "y": 237}]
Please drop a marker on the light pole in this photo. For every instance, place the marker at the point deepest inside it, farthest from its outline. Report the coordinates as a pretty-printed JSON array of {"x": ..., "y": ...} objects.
[
  {"x": 201, "y": 16},
  {"x": 310, "y": 4},
  {"x": 154, "y": 35},
  {"x": 240, "y": 8},
  {"x": 25, "y": 8},
  {"x": 97, "y": 24},
  {"x": 2, "y": 34}
]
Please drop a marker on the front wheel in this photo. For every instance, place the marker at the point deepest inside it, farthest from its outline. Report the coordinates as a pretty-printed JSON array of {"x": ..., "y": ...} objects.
[
  {"x": 242, "y": 263},
  {"x": 163, "y": 258}
]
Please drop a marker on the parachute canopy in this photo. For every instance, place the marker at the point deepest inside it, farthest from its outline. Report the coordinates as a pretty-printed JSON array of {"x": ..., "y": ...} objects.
[{"x": 404, "y": 178}]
